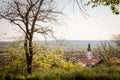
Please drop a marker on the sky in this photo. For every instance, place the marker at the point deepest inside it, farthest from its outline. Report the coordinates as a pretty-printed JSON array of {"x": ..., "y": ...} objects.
[{"x": 100, "y": 25}]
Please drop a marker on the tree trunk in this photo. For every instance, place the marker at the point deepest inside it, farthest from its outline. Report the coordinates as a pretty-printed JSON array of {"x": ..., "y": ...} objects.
[
  {"x": 29, "y": 54},
  {"x": 29, "y": 65}
]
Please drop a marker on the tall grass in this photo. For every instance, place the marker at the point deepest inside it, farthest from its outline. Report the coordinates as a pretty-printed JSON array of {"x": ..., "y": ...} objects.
[{"x": 97, "y": 73}]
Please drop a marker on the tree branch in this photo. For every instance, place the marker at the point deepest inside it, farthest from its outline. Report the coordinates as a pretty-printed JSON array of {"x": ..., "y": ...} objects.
[{"x": 36, "y": 15}]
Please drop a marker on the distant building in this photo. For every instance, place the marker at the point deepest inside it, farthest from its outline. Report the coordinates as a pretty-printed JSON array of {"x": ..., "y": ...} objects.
[
  {"x": 89, "y": 52},
  {"x": 89, "y": 60}
]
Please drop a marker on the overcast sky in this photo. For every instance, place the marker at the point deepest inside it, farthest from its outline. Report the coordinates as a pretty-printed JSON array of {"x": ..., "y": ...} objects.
[{"x": 101, "y": 25}]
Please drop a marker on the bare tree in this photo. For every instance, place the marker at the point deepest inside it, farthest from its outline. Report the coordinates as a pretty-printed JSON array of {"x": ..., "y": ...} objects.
[
  {"x": 116, "y": 39},
  {"x": 29, "y": 16}
]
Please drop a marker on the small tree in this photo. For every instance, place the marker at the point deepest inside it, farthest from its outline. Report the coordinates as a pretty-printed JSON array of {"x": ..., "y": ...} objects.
[
  {"x": 30, "y": 16},
  {"x": 116, "y": 39}
]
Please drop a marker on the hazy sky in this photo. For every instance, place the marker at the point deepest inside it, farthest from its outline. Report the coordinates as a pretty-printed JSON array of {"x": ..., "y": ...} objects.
[{"x": 101, "y": 25}]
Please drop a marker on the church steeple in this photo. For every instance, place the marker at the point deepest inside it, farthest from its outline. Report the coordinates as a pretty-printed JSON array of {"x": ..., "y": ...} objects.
[
  {"x": 89, "y": 52},
  {"x": 89, "y": 47}
]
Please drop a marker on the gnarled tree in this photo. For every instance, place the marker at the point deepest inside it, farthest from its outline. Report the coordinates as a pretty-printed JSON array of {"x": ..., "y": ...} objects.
[{"x": 29, "y": 16}]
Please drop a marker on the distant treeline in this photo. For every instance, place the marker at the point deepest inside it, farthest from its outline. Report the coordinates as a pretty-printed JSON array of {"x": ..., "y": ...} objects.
[{"x": 74, "y": 44}]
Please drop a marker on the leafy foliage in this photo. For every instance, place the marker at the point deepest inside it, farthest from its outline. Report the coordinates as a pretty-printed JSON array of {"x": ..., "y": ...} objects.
[
  {"x": 113, "y": 4},
  {"x": 14, "y": 60},
  {"x": 98, "y": 73}
]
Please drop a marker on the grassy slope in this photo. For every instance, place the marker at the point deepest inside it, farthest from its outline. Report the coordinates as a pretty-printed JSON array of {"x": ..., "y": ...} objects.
[{"x": 98, "y": 73}]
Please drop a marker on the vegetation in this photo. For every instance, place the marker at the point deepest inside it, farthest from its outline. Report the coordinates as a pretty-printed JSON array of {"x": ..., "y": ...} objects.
[
  {"x": 51, "y": 64},
  {"x": 113, "y": 4},
  {"x": 78, "y": 73},
  {"x": 29, "y": 16}
]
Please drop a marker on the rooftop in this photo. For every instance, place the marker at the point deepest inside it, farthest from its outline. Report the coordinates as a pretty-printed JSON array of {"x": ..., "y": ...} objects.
[{"x": 89, "y": 62}]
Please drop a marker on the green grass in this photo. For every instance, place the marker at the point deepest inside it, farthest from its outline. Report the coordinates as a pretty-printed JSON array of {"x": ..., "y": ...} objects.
[{"x": 98, "y": 73}]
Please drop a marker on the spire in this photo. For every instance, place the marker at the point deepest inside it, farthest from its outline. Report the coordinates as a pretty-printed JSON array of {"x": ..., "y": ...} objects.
[
  {"x": 89, "y": 52},
  {"x": 89, "y": 47}
]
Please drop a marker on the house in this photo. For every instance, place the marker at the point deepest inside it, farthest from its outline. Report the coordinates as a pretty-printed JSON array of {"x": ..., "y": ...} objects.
[{"x": 89, "y": 62}]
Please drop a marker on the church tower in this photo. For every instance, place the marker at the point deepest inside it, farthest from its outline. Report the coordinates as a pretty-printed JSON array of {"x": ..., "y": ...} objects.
[
  {"x": 89, "y": 52},
  {"x": 89, "y": 47}
]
